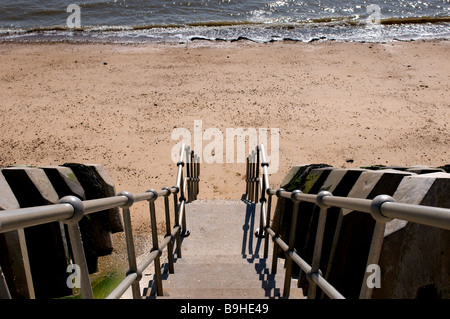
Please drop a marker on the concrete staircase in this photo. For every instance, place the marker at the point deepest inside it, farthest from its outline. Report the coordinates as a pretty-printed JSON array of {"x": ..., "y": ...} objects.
[{"x": 222, "y": 259}]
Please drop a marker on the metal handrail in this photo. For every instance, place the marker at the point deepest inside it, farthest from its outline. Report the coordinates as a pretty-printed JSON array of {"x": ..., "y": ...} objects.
[
  {"x": 71, "y": 209},
  {"x": 383, "y": 208}
]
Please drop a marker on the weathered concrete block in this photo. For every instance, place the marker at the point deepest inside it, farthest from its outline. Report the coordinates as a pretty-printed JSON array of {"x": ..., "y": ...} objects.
[
  {"x": 421, "y": 169},
  {"x": 304, "y": 177},
  {"x": 39, "y": 187},
  {"x": 14, "y": 255},
  {"x": 339, "y": 182},
  {"x": 352, "y": 241},
  {"x": 100, "y": 222},
  {"x": 295, "y": 179},
  {"x": 415, "y": 259},
  {"x": 308, "y": 179},
  {"x": 115, "y": 217},
  {"x": 294, "y": 173},
  {"x": 45, "y": 243},
  {"x": 66, "y": 183}
]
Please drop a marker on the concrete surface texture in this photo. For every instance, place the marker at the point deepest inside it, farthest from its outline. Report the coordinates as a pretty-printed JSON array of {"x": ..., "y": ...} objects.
[{"x": 221, "y": 258}]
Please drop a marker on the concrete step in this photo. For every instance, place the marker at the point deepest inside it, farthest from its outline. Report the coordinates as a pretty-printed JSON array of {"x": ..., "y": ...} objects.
[
  {"x": 177, "y": 281},
  {"x": 223, "y": 280},
  {"x": 213, "y": 258},
  {"x": 207, "y": 291},
  {"x": 227, "y": 268},
  {"x": 222, "y": 259},
  {"x": 216, "y": 293}
]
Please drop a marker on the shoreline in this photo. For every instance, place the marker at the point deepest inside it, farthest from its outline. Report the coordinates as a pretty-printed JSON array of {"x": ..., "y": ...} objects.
[
  {"x": 118, "y": 104},
  {"x": 326, "y": 29}
]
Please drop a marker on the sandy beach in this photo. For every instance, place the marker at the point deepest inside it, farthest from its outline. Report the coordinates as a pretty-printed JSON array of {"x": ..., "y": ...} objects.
[{"x": 117, "y": 105}]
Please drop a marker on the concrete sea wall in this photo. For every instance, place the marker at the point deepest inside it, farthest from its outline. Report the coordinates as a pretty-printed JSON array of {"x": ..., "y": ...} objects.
[
  {"x": 34, "y": 260},
  {"x": 415, "y": 259}
]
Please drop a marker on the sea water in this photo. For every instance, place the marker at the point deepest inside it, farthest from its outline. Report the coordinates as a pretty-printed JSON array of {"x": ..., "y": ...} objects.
[{"x": 224, "y": 20}]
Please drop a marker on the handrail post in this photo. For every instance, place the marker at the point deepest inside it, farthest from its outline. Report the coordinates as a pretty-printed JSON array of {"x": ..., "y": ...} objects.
[
  {"x": 198, "y": 175},
  {"x": 247, "y": 184},
  {"x": 288, "y": 274},
  {"x": 315, "y": 265},
  {"x": 184, "y": 232},
  {"x": 252, "y": 191},
  {"x": 182, "y": 194},
  {"x": 265, "y": 202},
  {"x": 250, "y": 177},
  {"x": 262, "y": 218},
  {"x": 176, "y": 223},
  {"x": 188, "y": 172},
  {"x": 266, "y": 234},
  {"x": 194, "y": 176},
  {"x": 77, "y": 244},
  {"x": 377, "y": 240},
  {"x": 257, "y": 181},
  {"x": 192, "y": 182},
  {"x": 132, "y": 264},
  {"x": 275, "y": 245},
  {"x": 196, "y": 161},
  {"x": 168, "y": 231},
  {"x": 182, "y": 199},
  {"x": 158, "y": 278}
]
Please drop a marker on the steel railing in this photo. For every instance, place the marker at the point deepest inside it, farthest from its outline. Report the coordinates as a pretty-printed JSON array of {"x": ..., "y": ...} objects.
[
  {"x": 383, "y": 209},
  {"x": 71, "y": 209}
]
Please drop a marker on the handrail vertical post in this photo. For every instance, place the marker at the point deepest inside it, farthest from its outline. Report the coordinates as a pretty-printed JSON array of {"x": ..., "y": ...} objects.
[
  {"x": 180, "y": 190},
  {"x": 275, "y": 245},
  {"x": 257, "y": 181},
  {"x": 250, "y": 177},
  {"x": 76, "y": 243},
  {"x": 317, "y": 251},
  {"x": 155, "y": 247},
  {"x": 262, "y": 200},
  {"x": 261, "y": 184},
  {"x": 168, "y": 231},
  {"x": 265, "y": 201},
  {"x": 191, "y": 182},
  {"x": 377, "y": 241},
  {"x": 183, "y": 220},
  {"x": 374, "y": 255},
  {"x": 252, "y": 173},
  {"x": 247, "y": 184},
  {"x": 194, "y": 176},
  {"x": 80, "y": 260},
  {"x": 198, "y": 175},
  {"x": 188, "y": 172},
  {"x": 266, "y": 234},
  {"x": 131, "y": 252},
  {"x": 196, "y": 160},
  {"x": 288, "y": 274},
  {"x": 176, "y": 224},
  {"x": 182, "y": 194},
  {"x": 315, "y": 264}
]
